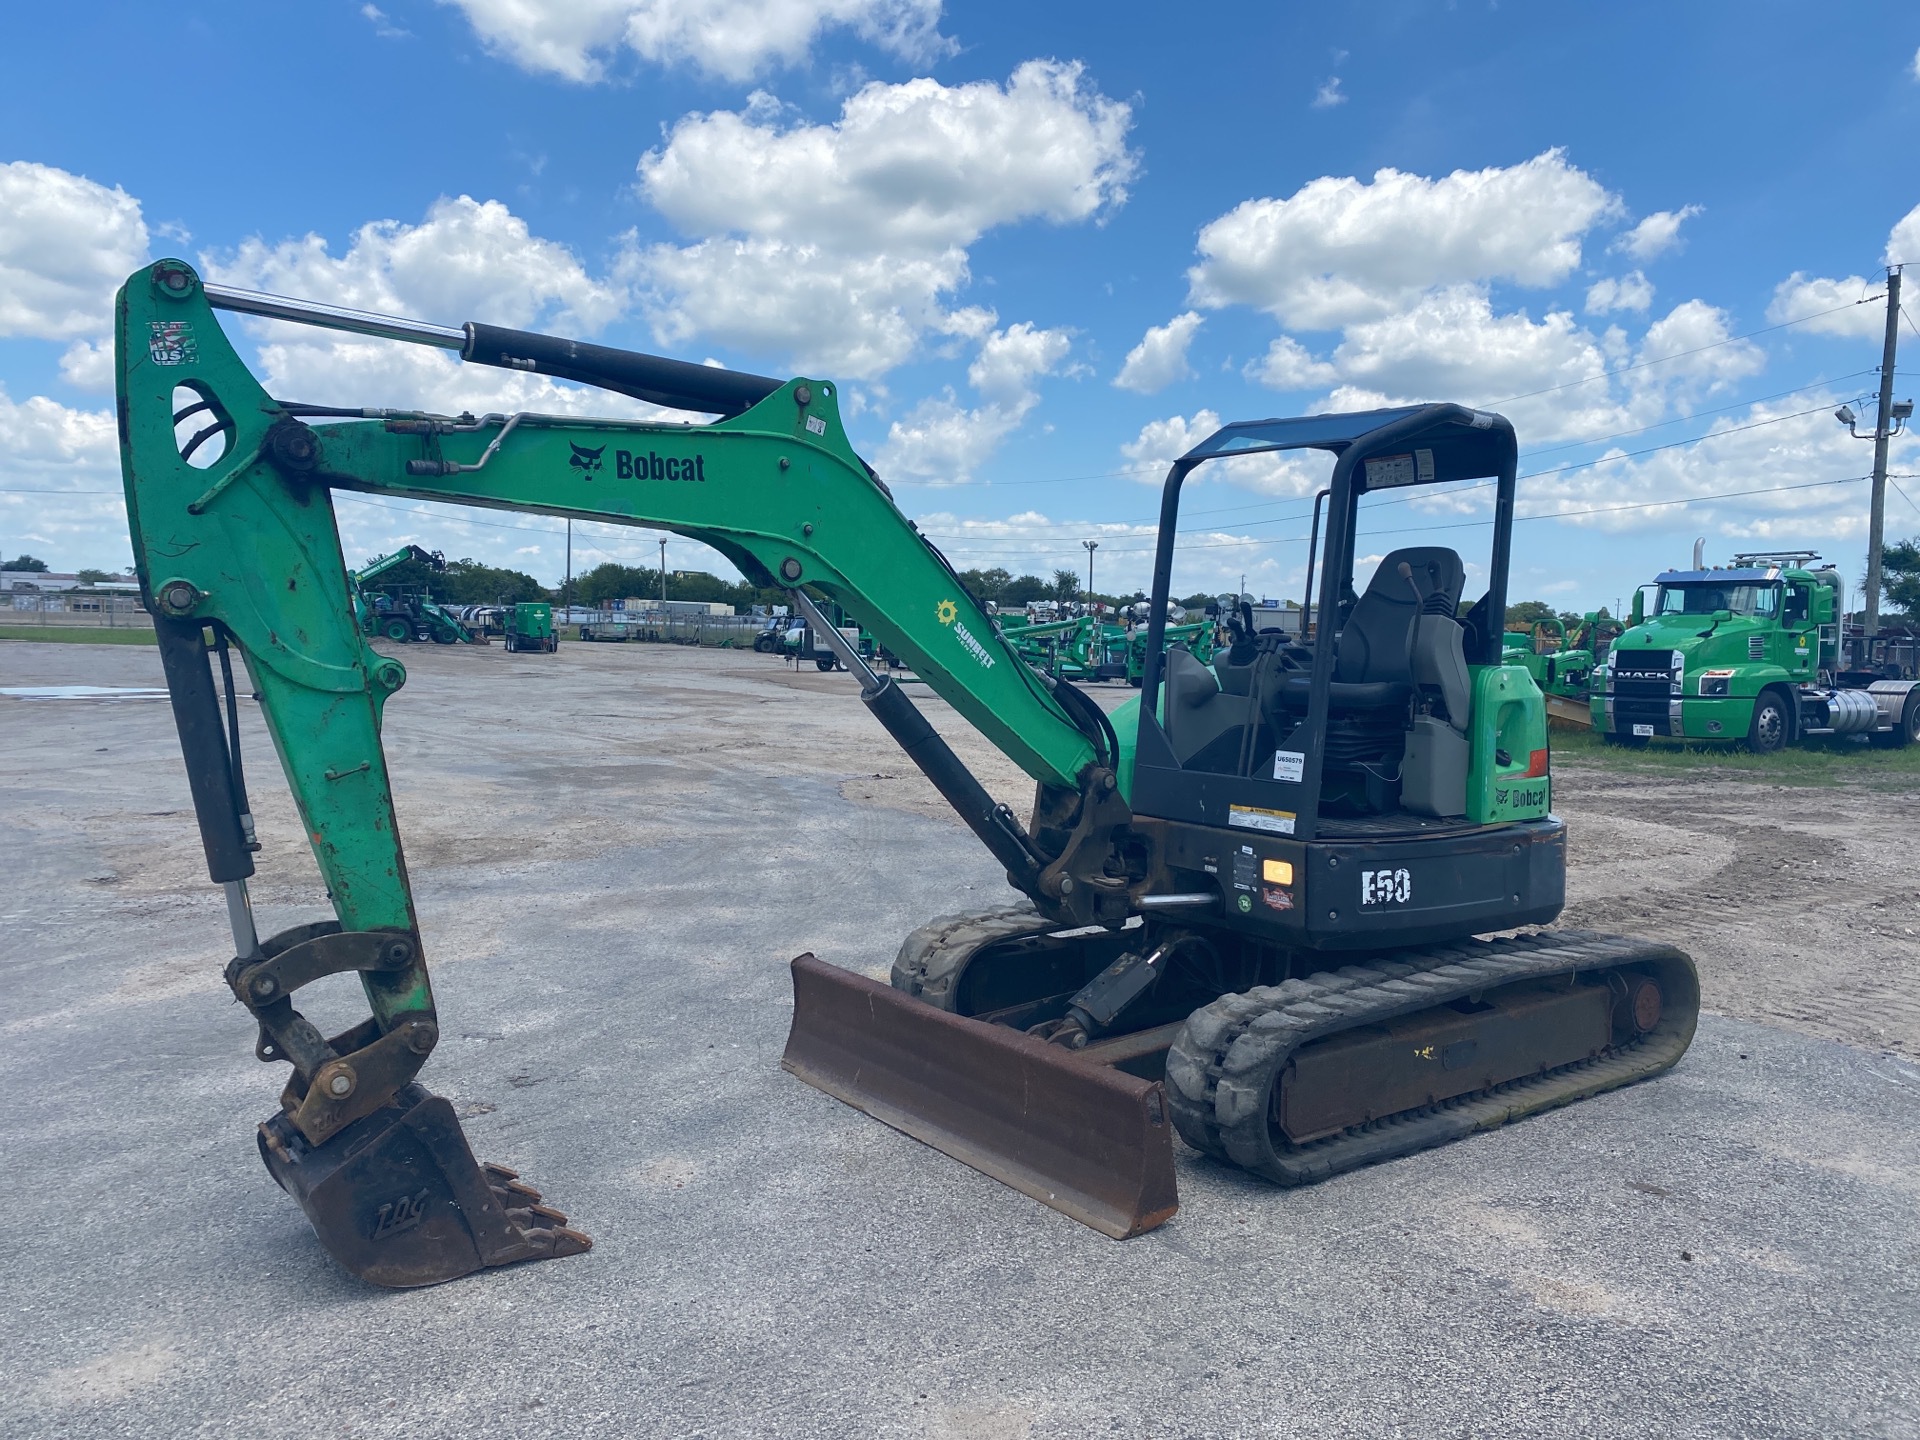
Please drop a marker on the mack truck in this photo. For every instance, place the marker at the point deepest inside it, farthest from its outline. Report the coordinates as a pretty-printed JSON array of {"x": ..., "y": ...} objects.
[{"x": 1750, "y": 653}]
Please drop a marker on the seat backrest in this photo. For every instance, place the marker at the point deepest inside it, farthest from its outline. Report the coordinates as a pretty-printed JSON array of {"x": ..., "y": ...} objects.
[{"x": 1373, "y": 643}]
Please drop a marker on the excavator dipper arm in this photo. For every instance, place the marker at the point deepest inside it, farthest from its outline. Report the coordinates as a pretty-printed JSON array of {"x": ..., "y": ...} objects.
[{"x": 230, "y": 511}]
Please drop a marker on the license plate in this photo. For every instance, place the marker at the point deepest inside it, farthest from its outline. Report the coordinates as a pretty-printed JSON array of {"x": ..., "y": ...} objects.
[{"x": 1643, "y": 730}]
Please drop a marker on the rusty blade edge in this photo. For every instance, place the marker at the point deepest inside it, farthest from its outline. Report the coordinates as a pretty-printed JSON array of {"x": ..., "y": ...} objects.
[{"x": 1091, "y": 1142}]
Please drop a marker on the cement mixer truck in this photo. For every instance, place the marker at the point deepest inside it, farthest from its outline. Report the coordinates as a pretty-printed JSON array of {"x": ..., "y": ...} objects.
[{"x": 1748, "y": 653}]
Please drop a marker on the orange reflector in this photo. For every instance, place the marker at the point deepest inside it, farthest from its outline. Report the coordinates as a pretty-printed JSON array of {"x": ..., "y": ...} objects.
[
  {"x": 1536, "y": 765},
  {"x": 1277, "y": 872}
]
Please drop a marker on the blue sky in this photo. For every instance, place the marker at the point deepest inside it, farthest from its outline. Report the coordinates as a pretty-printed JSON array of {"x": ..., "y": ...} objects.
[{"x": 1042, "y": 249}]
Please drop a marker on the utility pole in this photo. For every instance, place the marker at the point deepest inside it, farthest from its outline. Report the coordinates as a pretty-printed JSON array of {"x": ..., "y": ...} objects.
[
  {"x": 566, "y": 586},
  {"x": 663, "y": 577},
  {"x": 1092, "y": 545},
  {"x": 1882, "y": 431}
]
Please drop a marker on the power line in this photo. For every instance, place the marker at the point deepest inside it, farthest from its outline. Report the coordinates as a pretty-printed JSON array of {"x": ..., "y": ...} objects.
[
  {"x": 1682, "y": 354},
  {"x": 1077, "y": 529},
  {"x": 1543, "y": 515}
]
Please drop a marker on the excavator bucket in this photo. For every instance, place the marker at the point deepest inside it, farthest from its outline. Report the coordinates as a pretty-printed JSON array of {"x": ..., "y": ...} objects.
[
  {"x": 398, "y": 1199},
  {"x": 1091, "y": 1141}
]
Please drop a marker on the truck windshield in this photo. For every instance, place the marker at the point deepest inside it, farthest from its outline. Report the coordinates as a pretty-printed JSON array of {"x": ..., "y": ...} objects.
[{"x": 1706, "y": 597}]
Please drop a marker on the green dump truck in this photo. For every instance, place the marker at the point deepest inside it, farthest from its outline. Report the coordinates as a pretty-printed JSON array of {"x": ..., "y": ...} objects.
[{"x": 1749, "y": 652}]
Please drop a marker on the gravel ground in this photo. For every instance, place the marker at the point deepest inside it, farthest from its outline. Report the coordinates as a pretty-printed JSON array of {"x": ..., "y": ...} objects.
[{"x": 615, "y": 851}]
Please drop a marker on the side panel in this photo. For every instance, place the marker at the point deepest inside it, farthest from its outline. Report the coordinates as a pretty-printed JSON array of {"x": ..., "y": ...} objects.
[{"x": 1507, "y": 776}]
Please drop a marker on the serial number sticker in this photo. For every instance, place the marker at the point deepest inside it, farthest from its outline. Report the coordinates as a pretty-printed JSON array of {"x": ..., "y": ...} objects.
[
  {"x": 1289, "y": 765},
  {"x": 1643, "y": 730},
  {"x": 816, "y": 425},
  {"x": 1252, "y": 817}
]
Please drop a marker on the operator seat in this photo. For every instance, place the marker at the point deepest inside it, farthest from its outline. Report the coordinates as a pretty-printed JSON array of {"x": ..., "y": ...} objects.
[{"x": 1370, "y": 667}]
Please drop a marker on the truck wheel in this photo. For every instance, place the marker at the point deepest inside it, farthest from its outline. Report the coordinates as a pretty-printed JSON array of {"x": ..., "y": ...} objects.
[
  {"x": 825, "y": 662},
  {"x": 398, "y": 629},
  {"x": 1907, "y": 731},
  {"x": 443, "y": 636},
  {"x": 1770, "y": 729}
]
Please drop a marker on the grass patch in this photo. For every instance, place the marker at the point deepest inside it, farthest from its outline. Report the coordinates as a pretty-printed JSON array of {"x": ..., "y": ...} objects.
[
  {"x": 1826, "y": 761},
  {"x": 78, "y": 634}
]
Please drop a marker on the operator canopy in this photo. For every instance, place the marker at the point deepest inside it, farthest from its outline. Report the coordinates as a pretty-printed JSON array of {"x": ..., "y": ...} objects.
[{"x": 1434, "y": 443}]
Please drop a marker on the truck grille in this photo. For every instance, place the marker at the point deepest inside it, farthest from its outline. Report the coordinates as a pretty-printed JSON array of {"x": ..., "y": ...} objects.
[{"x": 1643, "y": 674}]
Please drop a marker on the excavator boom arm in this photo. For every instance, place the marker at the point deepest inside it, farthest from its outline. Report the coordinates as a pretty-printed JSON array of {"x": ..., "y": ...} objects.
[{"x": 230, "y": 510}]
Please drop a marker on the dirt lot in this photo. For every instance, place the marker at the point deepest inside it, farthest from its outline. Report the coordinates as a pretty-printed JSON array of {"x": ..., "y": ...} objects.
[{"x": 616, "y": 848}]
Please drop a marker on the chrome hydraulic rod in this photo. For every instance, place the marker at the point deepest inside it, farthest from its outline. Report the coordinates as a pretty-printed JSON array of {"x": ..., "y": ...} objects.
[
  {"x": 334, "y": 317},
  {"x": 676, "y": 384}
]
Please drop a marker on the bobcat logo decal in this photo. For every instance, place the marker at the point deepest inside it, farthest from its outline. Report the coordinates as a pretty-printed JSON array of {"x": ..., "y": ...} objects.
[{"x": 585, "y": 460}]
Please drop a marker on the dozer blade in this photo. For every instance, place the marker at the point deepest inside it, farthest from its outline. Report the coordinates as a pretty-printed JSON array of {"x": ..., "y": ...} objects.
[
  {"x": 1092, "y": 1142},
  {"x": 398, "y": 1199}
]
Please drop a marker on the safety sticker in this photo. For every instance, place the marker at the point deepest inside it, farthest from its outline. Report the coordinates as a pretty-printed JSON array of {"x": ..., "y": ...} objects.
[
  {"x": 1289, "y": 765},
  {"x": 1252, "y": 817},
  {"x": 1386, "y": 471},
  {"x": 171, "y": 342},
  {"x": 816, "y": 425}
]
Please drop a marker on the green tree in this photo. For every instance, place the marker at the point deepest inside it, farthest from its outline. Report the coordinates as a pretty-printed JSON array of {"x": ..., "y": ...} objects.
[
  {"x": 1525, "y": 614},
  {"x": 987, "y": 584},
  {"x": 1066, "y": 585},
  {"x": 1024, "y": 590},
  {"x": 95, "y": 577},
  {"x": 468, "y": 582},
  {"x": 26, "y": 562},
  {"x": 611, "y": 581},
  {"x": 1900, "y": 576},
  {"x": 1194, "y": 602}
]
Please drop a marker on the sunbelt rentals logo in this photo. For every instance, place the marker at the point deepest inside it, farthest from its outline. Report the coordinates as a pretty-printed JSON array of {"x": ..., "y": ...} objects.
[{"x": 948, "y": 613}]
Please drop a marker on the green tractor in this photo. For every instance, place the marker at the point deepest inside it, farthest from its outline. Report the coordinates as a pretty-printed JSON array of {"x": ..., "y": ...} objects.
[
  {"x": 530, "y": 627},
  {"x": 404, "y": 615},
  {"x": 1561, "y": 662}
]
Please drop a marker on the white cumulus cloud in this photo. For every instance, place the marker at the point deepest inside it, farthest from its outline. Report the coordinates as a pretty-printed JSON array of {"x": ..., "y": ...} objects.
[
  {"x": 1655, "y": 235},
  {"x": 1160, "y": 358},
  {"x": 1341, "y": 249},
  {"x": 837, "y": 245},
  {"x": 66, "y": 244},
  {"x": 942, "y": 441},
  {"x": 1289, "y": 365},
  {"x": 1801, "y": 295},
  {"x": 1151, "y": 453},
  {"x": 467, "y": 260},
  {"x": 1632, "y": 291},
  {"x": 54, "y": 447},
  {"x": 730, "y": 39}
]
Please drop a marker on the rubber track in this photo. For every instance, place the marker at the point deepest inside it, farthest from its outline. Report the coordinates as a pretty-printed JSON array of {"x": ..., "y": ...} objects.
[
  {"x": 932, "y": 956},
  {"x": 1224, "y": 1063}
]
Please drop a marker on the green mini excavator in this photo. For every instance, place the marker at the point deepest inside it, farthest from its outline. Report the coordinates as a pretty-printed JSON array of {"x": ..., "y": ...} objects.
[{"x": 1247, "y": 901}]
